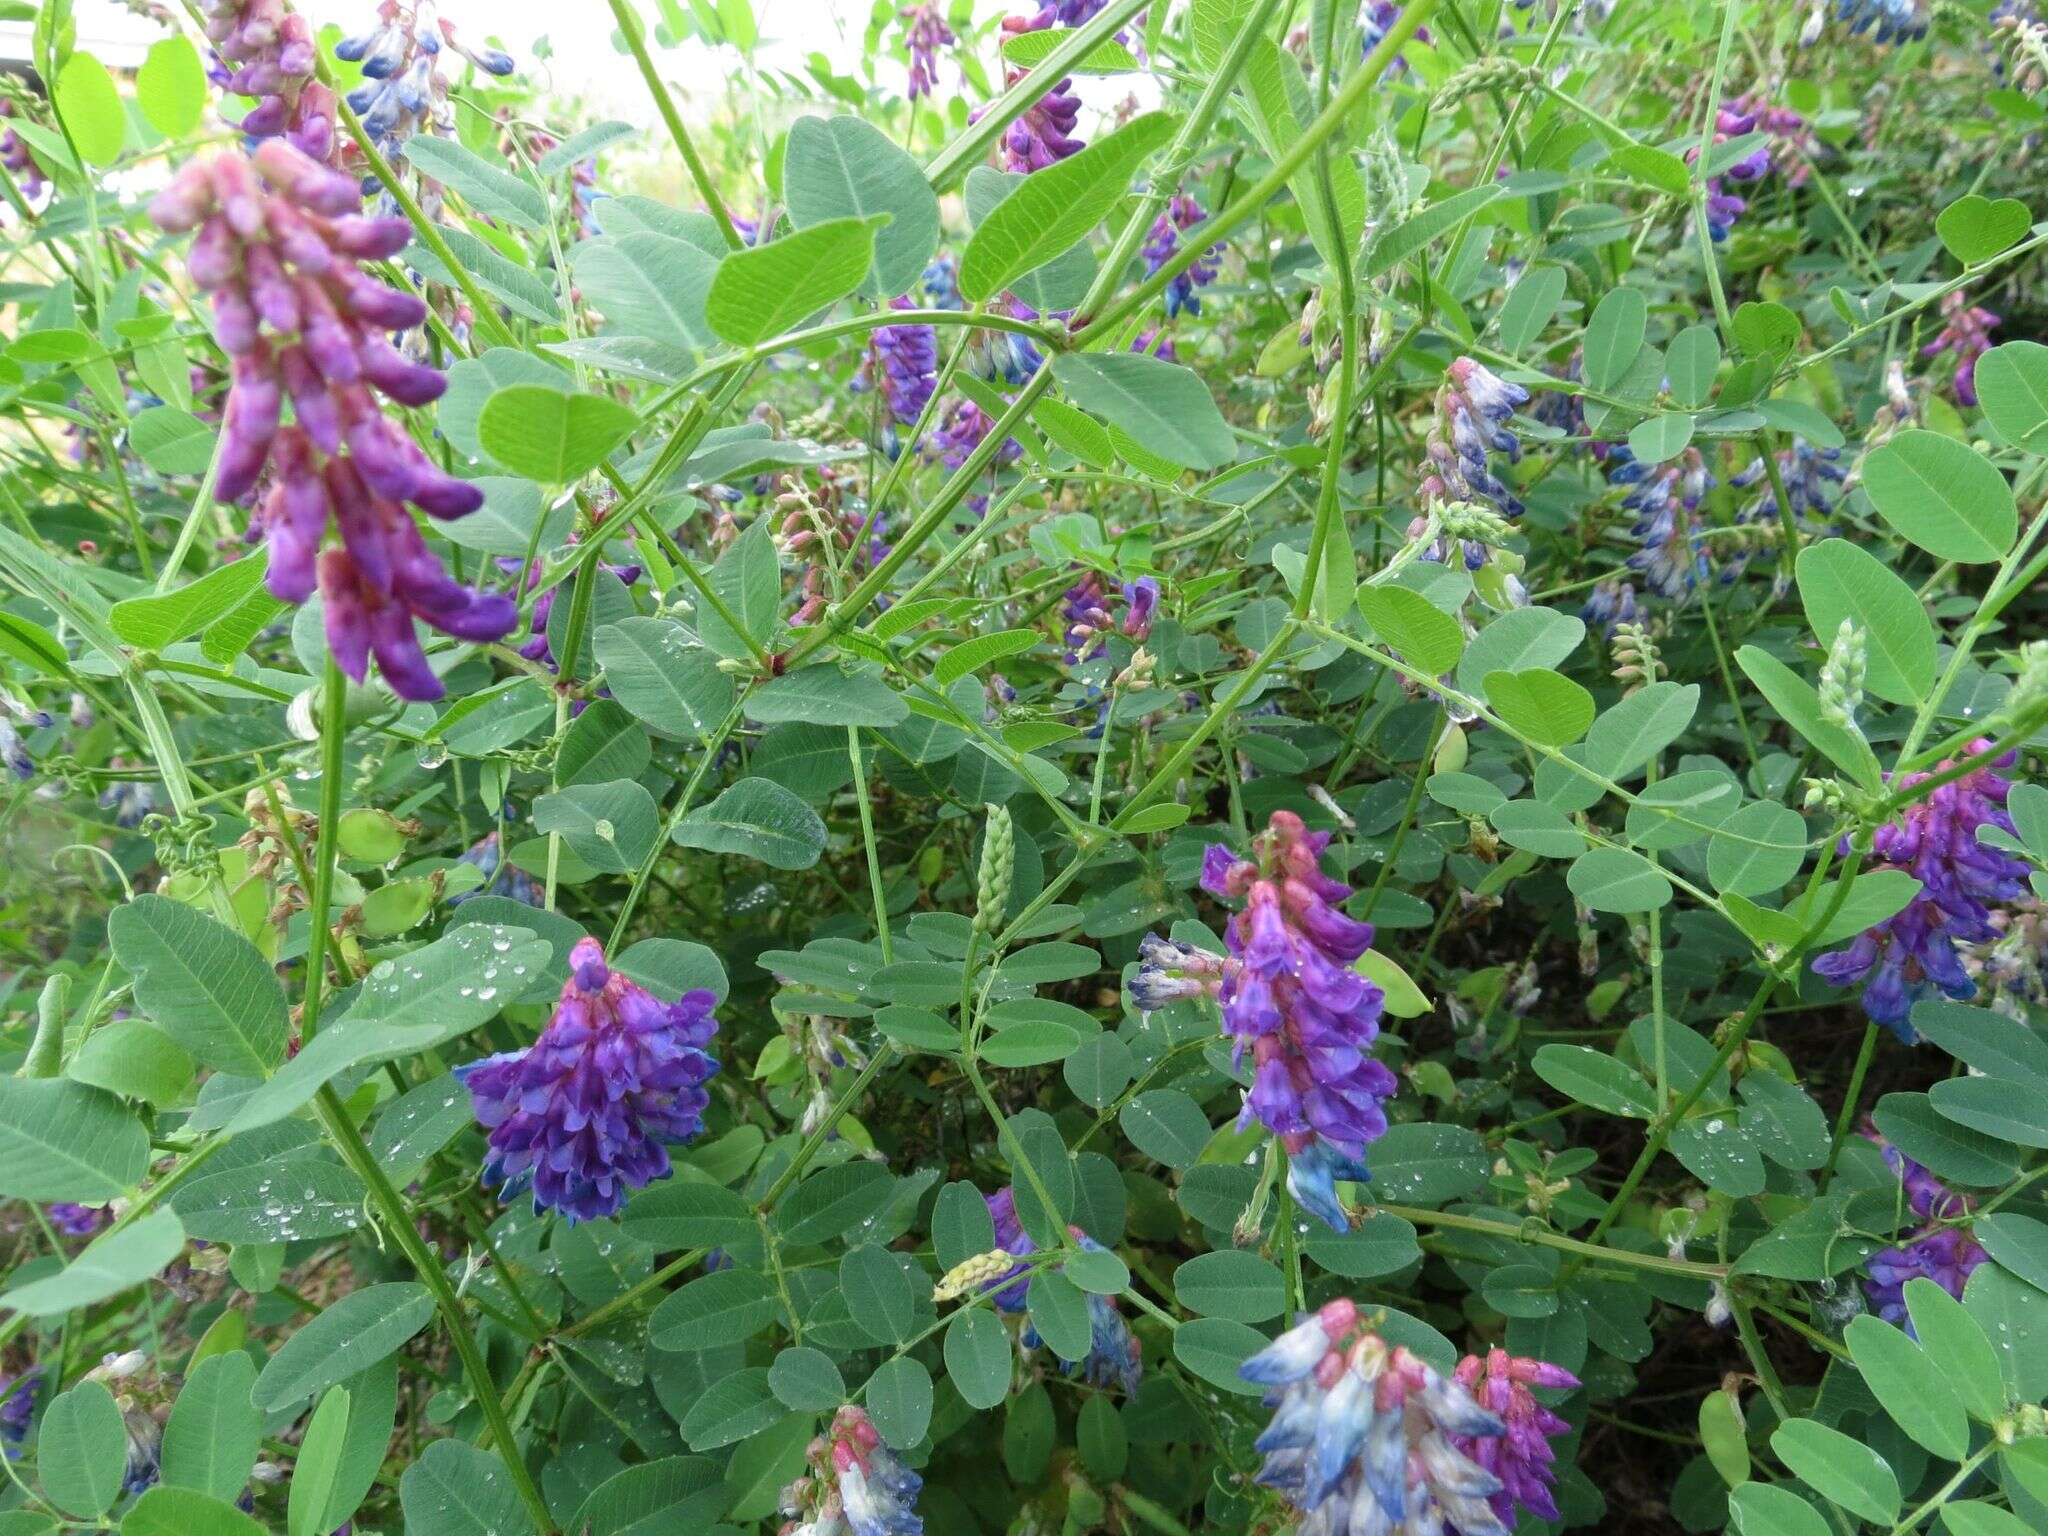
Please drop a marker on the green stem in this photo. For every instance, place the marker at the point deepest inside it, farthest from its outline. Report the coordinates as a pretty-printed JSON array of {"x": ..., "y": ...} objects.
[{"x": 636, "y": 44}]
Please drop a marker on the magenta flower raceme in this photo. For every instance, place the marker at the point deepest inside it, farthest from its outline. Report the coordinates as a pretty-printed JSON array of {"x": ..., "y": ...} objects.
[
  {"x": 1141, "y": 606},
  {"x": 1665, "y": 498},
  {"x": 925, "y": 33},
  {"x": 500, "y": 877},
  {"x": 1375, "y": 20},
  {"x": 1084, "y": 613},
  {"x": 1044, "y": 135},
  {"x": 1723, "y": 206},
  {"x": 271, "y": 54},
  {"x": 1367, "y": 1439},
  {"x": 18, "y": 1409},
  {"x": 1965, "y": 335},
  {"x": 1292, "y": 999},
  {"x": 1010, "y": 1286},
  {"x": 587, "y": 1112},
  {"x": 1939, "y": 1250},
  {"x": 1182, "y": 213},
  {"x": 1522, "y": 1457},
  {"x": 1794, "y": 145},
  {"x": 856, "y": 1484},
  {"x": 278, "y": 249},
  {"x": 960, "y": 432},
  {"x": 1916, "y": 951}
]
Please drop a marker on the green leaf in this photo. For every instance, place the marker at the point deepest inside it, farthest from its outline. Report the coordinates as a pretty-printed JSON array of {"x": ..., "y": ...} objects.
[
  {"x": 135, "y": 1059},
  {"x": 1395, "y": 245},
  {"x": 1430, "y": 639},
  {"x": 485, "y": 187},
  {"x": 214, "y": 1433},
  {"x": 676, "y": 1493},
  {"x": 350, "y": 1336},
  {"x": 1765, "y": 1509},
  {"x": 1764, "y": 329},
  {"x": 584, "y": 145},
  {"x": 675, "y": 1214},
  {"x": 273, "y": 1201},
  {"x": 1214, "y": 1347},
  {"x": 82, "y": 1450},
  {"x": 1681, "y": 810},
  {"x": 551, "y": 436},
  {"x": 764, "y": 1466},
  {"x": 806, "y": 1378},
  {"x": 972, "y": 655},
  {"x": 611, "y": 827},
  {"x": 1164, "y": 408},
  {"x": 1595, "y": 1078},
  {"x": 1231, "y": 1283},
  {"x": 1516, "y": 641},
  {"x": 731, "y": 1408},
  {"x": 2015, "y": 1317},
  {"x": 1167, "y": 1126},
  {"x": 454, "y": 1489},
  {"x": 318, "y": 1465},
  {"x": 1617, "y": 880},
  {"x": 1427, "y": 1164},
  {"x": 170, "y": 88},
  {"x": 1614, "y": 336},
  {"x": 1798, "y": 705},
  {"x": 977, "y": 1354},
  {"x": 882, "y": 1291},
  {"x": 1757, "y": 849},
  {"x": 2019, "y": 1243},
  {"x": 1660, "y": 437},
  {"x": 1059, "y": 1312},
  {"x": 727, "y": 1306},
  {"x": 648, "y": 286},
  {"x": 152, "y": 623},
  {"x": 1105, "y": 58},
  {"x": 1943, "y": 496},
  {"x": 61, "y": 1140},
  {"x": 763, "y": 291},
  {"x": 1911, "y": 1388},
  {"x": 1839, "y": 1468},
  {"x": 1056, "y": 207},
  {"x": 843, "y": 167},
  {"x": 1529, "y": 306},
  {"x": 1625, "y": 738},
  {"x": 899, "y": 1400},
  {"x": 2012, "y": 388},
  {"x": 1959, "y": 1348},
  {"x": 833, "y": 1202},
  {"x": 183, "y": 1512},
  {"x": 1074, "y": 431},
  {"x": 1541, "y": 706},
  {"x": 1910, "y": 1123},
  {"x": 1539, "y": 827},
  {"x": 671, "y": 684},
  {"x": 209, "y": 988},
  {"x": 1992, "y": 1107},
  {"x": 1975, "y": 228},
  {"x": 1839, "y": 581},
  {"x": 90, "y": 104},
  {"x": 756, "y": 819},
  {"x": 117, "y": 1260},
  {"x": 827, "y": 695},
  {"x": 1976, "y": 1517},
  {"x": 748, "y": 580}
]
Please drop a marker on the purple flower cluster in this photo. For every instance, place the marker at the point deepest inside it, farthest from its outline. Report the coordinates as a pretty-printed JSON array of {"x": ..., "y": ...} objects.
[
  {"x": 925, "y": 32},
  {"x": 1044, "y": 135},
  {"x": 1609, "y": 604},
  {"x": 76, "y": 1220},
  {"x": 1892, "y": 21},
  {"x": 1965, "y": 335},
  {"x": 1374, "y": 22},
  {"x": 1794, "y": 144},
  {"x": 14, "y": 154},
  {"x": 500, "y": 877},
  {"x": 1665, "y": 499},
  {"x": 404, "y": 90},
  {"x": 1087, "y": 621},
  {"x": 278, "y": 250},
  {"x": 1939, "y": 1250},
  {"x": 15, "y": 717},
  {"x": 1472, "y": 410},
  {"x": 1291, "y": 997},
  {"x": 856, "y": 1484},
  {"x": 960, "y": 432},
  {"x": 271, "y": 55},
  {"x": 1813, "y": 479},
  {"x": 18, "y": 1409},
  {"x": 1182, "y": 213},
  {"x": 1366, "y": 1438},
  {"x": 1934, "y": 840},
  {"x": 1114, "y": 1358},
  {"x": 536, "y": 647},
  {"x": 1724, "y": 207},
  {"x": 1522, "y": 1458},
  {"x": 586, "y": 1112},
  {"x": 902, "y": 362}
]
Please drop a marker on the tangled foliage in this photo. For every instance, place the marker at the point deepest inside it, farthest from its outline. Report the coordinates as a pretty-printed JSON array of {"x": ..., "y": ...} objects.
[{"x": 1173, "y": 767}]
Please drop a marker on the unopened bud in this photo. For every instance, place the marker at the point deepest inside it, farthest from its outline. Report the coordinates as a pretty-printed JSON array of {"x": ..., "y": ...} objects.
[
  {"x": 970, "y": 1275},
  {"x": 998, "y": 858},
  {"x": 1841, "y": 678}
]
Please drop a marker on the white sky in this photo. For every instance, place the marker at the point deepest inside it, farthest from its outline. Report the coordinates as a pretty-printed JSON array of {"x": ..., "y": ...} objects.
[{"x": 578, "y": 31}]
